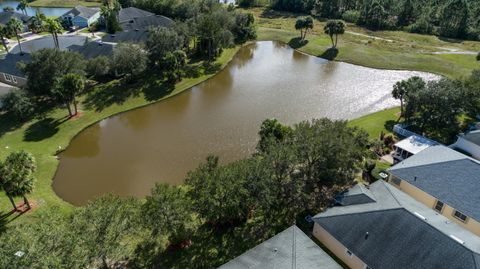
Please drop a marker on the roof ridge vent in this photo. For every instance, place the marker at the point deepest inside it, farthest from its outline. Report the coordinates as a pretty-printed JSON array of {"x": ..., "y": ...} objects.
[
  {"x": 420, "y": 216},
  {"x": 457, "y": 239}
]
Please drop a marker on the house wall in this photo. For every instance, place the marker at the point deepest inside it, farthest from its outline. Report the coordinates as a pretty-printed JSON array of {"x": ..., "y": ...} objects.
[
  {"x": 430, "y": 201},
  {"x": 80, "y": 22},
  {"x": 337, "y": 248},
  {"x": 20, "y": 81},
  {"x": 94, "y": 19}
]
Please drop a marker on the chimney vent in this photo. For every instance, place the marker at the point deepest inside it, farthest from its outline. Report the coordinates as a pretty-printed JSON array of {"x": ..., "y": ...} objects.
[{"x": 366, "y": 235}]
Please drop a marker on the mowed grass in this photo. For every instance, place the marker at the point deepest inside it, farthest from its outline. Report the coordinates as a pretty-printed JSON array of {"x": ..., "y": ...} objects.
[
  {"x": 381, "y": 49},
  {"x": 43, "y": 137},
  {"x": 378, "y": 122},
  {"x": 64, "y": 3}
]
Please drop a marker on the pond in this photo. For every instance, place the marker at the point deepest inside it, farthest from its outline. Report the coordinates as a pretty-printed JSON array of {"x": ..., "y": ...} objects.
[
  {"x": 126, "y": 154},
  {"x": 31, "y": 11}
]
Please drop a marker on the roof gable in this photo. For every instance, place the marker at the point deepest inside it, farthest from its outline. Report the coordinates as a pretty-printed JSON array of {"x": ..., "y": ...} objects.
[
  {"x": 129, "y": 13},
  {"x": 5, "y": 16}
]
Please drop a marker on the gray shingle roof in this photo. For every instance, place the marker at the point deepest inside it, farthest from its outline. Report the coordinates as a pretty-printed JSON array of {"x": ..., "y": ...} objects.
[
  {"x": 276, "y": 253},
  {"x": 397, "y": 239},
  {"x": 136, "y": 30},
  {"x": 358, "y": 194},
  {"x": 7, "y": 15},
  {"x": 8, "y": 65},
  {"x": 94, "y": 49},
  {"x": 126, "y": 14},
  {"x": 449, "y": 176},
  {"x": 81, "y": 11}
]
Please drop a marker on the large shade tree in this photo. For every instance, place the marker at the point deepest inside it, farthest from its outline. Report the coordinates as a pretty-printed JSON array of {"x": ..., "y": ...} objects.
[
  {"x": 68, "y": 88},
  {"x": 129, "y": 60}
]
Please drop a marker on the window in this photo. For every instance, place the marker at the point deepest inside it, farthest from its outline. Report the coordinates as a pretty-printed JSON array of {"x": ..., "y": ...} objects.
[
  {"x": 14, "y": 79},
  {"x": 396, "y": 181},
  {"x": 439, "y": 206},
  {"x": 348, "y": 252},
  {"x": 459, "y": 215},
  {"x": 7, "y": 77}
]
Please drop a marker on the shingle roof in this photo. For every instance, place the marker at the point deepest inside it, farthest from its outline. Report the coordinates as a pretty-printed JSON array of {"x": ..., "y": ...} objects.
[
  {"x": 473, "y": 136},
  {"x": 8, "y": 65},
  {"x": 129, "y": 36},
  {"x": 81, "y": 11},
  {"x": 454, "y": 181},
  {"x": 358, "y": 194},
  {"x": 126, "y": 14},
  {"x": 7, "y": 15},
  {"x": 276, "y": 252},
  {"x": 94, "y": 49},
  {"x": 397, "y": 239},
  {"x": 136, "y": 30}
]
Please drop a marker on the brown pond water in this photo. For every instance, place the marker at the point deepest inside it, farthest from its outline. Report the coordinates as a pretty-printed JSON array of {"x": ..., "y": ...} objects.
[{"x": 126, "y": 154}]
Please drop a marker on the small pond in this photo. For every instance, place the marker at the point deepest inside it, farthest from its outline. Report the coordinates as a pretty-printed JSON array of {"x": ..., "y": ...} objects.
[{"x": 126, "y": 154}]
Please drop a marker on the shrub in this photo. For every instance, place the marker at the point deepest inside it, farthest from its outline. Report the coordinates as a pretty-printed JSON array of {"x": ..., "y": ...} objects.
[
  {"x": 19, "y": 103},
  {"x": 421, "y": 26},
  {"x": 351, "y": 16}
]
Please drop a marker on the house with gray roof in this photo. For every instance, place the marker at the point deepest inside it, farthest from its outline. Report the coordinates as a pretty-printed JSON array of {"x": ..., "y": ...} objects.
[
  {"x": 94, "y": 49},
  {"x": 6, "y": 16},
  {"x": 10, "y": 73},
  {"x": 130, "y": 13},
  {"x": 469, "y": 143},
  {"x": 395, "y": 231},
  {"x": 81, "y": 16},
  {"x": 288, "y": 248},
  {"x": 445, "y": 180}
]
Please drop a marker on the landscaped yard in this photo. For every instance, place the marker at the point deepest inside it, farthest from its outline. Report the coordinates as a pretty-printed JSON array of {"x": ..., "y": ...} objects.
[{"x": 64, "y": 3}]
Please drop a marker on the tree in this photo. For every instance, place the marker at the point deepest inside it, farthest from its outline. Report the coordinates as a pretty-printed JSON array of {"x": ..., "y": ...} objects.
[
  {"x": 407, "y": 14},
  {"x": 16, "y": 176},
  {"x": 3, "y": 35},
  {"x": 173, "y": 65},
  {"x": 271, "y": 129},
  {"x": 37, "y": 22},
  {"x": 107, "y": 223},
  {"x": 454, "y": 19},
  {"x": 54, "y": 27},
  {"x": 69, "y": 87},
  {"x": 478, "y": 56},
  {"x": 15, "y": 25},
  {"x": 404, "y": 89},
  {"x": 19, "y": 103},
  {"x": 98, "y": 67},
  {"x": 334, "y": 28},
  {"x": 213, "y": 30},
  {"x": 161, "y": 41},
  {"x": 304, "y": 24},
  {"x": 129, "y": 59},
  {"x": 374, "y": 15},
  {"x": 167, "y": 211},
  {"x": 244, "y": 29},
  {"x": 22, "y": 5},
  {"x": 47, "y": 66}
]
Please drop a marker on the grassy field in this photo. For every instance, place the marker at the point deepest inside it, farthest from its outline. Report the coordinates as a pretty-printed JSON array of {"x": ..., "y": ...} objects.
[
  {"x": 45, "y": 136},
  {"x": 381, "y": 49},
  {"x": 376, "y": 123},
  {"x": 64, "y": 3}
]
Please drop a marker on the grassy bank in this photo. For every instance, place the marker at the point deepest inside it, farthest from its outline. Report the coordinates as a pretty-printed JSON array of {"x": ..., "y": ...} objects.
[
  {"x": 381, "y": 49},
  {"x": 64, "y": 3},
  {"x": 378, "y": 122},
  {"x": 43, "y": 137}
]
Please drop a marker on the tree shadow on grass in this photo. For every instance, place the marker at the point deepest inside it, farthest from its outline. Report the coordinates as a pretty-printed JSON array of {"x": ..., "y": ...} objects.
[
  {"x": 297, "y": 42},
  {"x": 389, "y": 125},
  {"x": 330, "y": 54},
  {"x": 43, "y": 128},
  {"x": 211, "y": 68},
  {"x": 155, "y": 89},
  {"x": 275, "y": 14},
  {"x": 115, "y": 92},
  {"x": 450, "y": 40},
  {"x": 8, "y": 123}
]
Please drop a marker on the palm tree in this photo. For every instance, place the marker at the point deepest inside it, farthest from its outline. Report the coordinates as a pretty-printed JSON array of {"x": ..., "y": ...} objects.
[
  {"x": 55, "y": 28},
  {"x": 15, "y": 25},
  {"x": 334, "y": 27},
  {"x": 3, "y": 35},
  {"x": 36, "y": 23},
  {"x": 22, "y": 5}
]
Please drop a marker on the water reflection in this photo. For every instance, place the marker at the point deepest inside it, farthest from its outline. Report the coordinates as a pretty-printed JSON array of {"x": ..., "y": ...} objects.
[{"x": 221, "y": 116}]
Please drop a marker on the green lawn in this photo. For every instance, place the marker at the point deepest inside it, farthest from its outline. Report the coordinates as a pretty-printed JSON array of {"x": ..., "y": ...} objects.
[
  {"x": 376, "y": 123},
  {"x": 64, "y": 3},
  {"x": 391, "y": 50},
  {"x": 43, "y": 137}
]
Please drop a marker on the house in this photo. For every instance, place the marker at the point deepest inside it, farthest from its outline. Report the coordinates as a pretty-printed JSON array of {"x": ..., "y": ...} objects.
[
  {"x": 469, "y": 143},
  {"x": 135, "y": 24},
  {"x": 410, "y": 146},
  {"x": 81, "y": 16},
  {"x": 6, "y": 16},
  {"x": 94, "y": 49},
  {"x": 291, "y": 246},
  {"x": 445, "y": 180},
  {"x": 395, "y": 231},
  {"x": 10, "y": 73}
]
